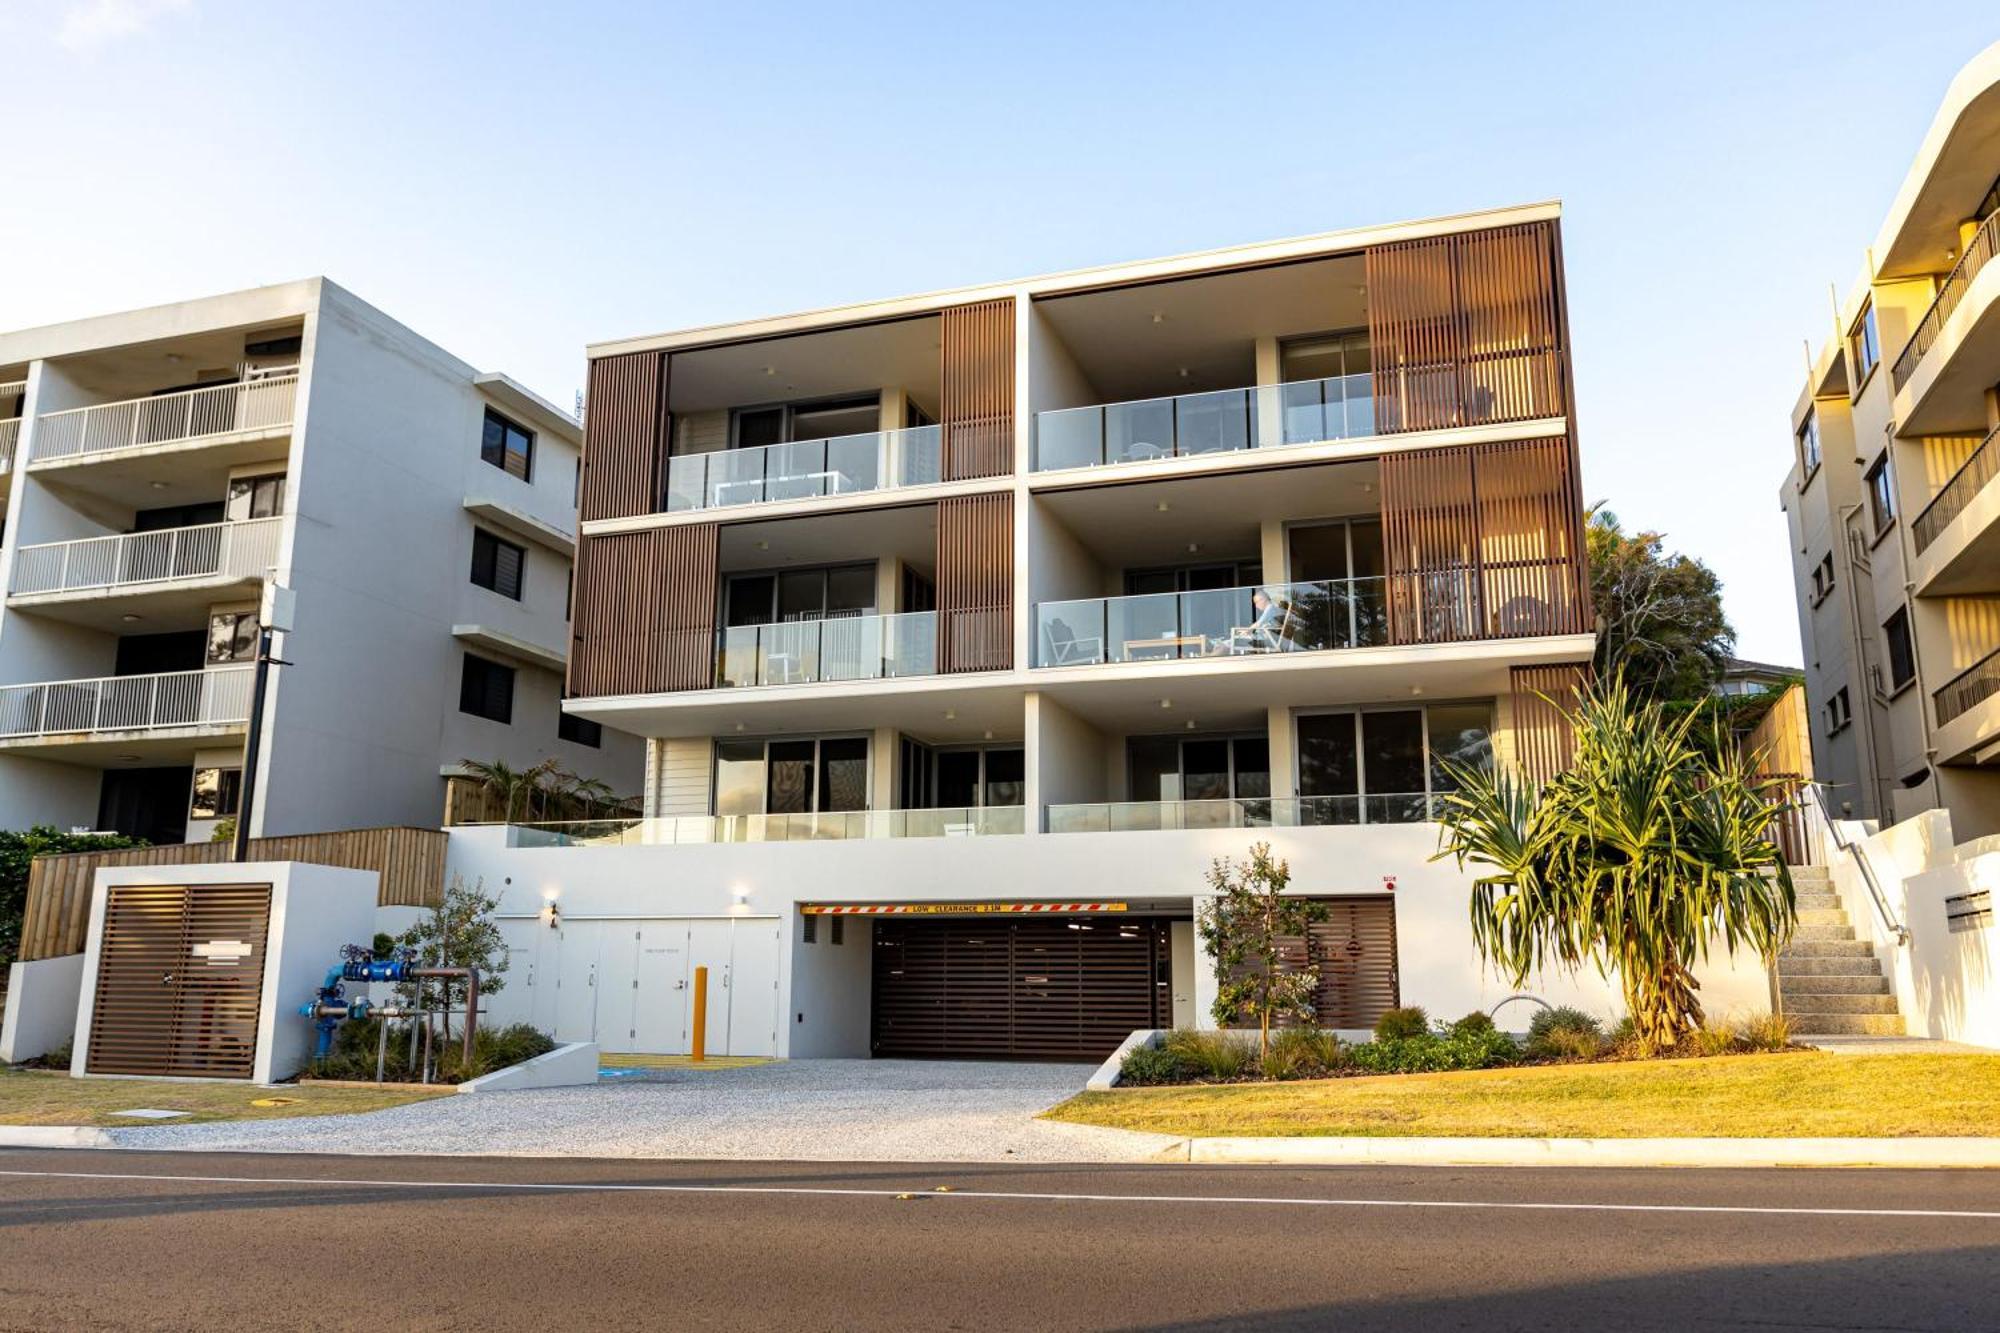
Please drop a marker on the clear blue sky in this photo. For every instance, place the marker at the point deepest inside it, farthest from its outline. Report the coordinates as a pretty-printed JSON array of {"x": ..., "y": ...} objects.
[{"x": 515, "y": 180}]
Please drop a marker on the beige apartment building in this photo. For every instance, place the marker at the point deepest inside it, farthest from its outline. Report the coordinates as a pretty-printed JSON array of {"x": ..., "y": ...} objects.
[{"x": 1894, "y": 517}]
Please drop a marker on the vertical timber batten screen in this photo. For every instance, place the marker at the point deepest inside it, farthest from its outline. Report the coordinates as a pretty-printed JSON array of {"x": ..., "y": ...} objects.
[
  {"x": 625, "y": 421},
  {"x": 1484, "y": 542},
  {"x": 977, "y": 381},
  {"x": 1544, "y": 741},
  {"x": 1467, "y": 328},
  {"x": 160, "y": 1008},
  {"x": 975, "y": 582},
  {"x": 643, "y": 619}
]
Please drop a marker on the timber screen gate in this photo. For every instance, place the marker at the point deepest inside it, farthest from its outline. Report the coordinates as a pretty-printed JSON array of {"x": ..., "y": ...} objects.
[
  {"x": 180, "y": 977},
  {"x": 1033, "y": 989}
]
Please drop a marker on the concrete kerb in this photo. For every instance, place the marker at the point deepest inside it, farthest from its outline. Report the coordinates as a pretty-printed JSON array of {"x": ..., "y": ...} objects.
[
  {"x": 1941, "y": 1153},
  {"x": 53, "y": 1136}
]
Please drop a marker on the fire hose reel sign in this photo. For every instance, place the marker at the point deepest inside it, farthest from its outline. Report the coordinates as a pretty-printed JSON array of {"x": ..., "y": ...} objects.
[{"x": 223, "y": 953}]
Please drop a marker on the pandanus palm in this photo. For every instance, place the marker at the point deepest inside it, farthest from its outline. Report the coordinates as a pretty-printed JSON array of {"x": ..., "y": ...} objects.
[{"x": 1638, "y": 858}]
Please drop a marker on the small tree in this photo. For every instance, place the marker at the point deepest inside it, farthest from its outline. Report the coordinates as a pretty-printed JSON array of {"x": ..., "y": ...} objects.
[
  {"x": 1245, "y": 927},
  {"x": 458, "y": 932},
  {"x": 1663, "y": 624}
]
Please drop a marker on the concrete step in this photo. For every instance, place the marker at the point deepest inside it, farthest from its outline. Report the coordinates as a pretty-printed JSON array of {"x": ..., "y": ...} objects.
[
  {"x": 1821, "y": 933},
  {"x": 1824, "y": 983},
  {"x": 1810, "y": 948},
  {"x": 1804, "y": 877},
  {"x": 1816, "y": 898},
  {"x": 1801, "y": 1006},
  {"x": 1822, "y": 916},
  {"x": 1851, "y": 1025}
]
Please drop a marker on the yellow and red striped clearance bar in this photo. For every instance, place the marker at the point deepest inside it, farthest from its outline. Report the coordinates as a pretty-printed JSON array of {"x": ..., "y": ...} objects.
[{"x": 952, "y": 909}]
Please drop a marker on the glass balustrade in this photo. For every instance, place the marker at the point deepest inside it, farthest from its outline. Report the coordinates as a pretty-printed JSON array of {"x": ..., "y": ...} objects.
[
  {"x": 1221, "y": 421},
  {"x": 1242, "y": 812},
  {"x": 814, "y": 826},
  {"x": 1214, "y": 622},
  {"x": 805, "y": 469},
  {"x": 805, "y": 652}
]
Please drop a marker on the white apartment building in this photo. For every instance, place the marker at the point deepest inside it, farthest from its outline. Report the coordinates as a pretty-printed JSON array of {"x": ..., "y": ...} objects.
[
  {"x": 160, "y": 465},
  {"x": 966, "y": 630},
  {"x": 1893, "y": 514}
]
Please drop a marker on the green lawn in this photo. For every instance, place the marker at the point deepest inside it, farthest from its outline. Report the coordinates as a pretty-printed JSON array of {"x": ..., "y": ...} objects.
[
  {"x": 1795, "y": 1094},
  {"x": 43, "y": 1097}
]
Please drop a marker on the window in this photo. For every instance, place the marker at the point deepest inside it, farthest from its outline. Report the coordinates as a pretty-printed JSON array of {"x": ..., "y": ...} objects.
[
  {"x": 255, "y": 497},
  {"x": 1863, "y": 349},
  {"x": 791, "y": 777},
  {"x": 969, "y": 778},
  {"x": 582, "y": 730},
  {"x": 784, "y": 423},
  {"x": 216, "y": 793},
  {"x": 507, "y": 446},
  {"x": 1881, "y": 493},
  {"x": 1808, "y": 446},
  {"x": 486, "y": 689},
  {"x": 799, "y": 594},
  {"x": 1902, "y": 657},
  {"x": 1822, "y": 579},
  {"x": 1200, "y": 768},
  {"x": 1837, "y": 712},
  {"x": 232, "y": 637},
  {"x": 497, "y": 564},
  {"x": 1385, "y": 766}
]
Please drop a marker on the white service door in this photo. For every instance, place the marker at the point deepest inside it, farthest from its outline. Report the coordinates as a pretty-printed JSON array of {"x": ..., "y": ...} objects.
[
  {"x": 515, "y": 1001},
  {"x": 661, "y": 1002},
  {"x": 617, "y": 986},
  {"x": 575, "y": 1008},
  {"x": 708, "y": 946},
  {"x": 753, "y": 988}
]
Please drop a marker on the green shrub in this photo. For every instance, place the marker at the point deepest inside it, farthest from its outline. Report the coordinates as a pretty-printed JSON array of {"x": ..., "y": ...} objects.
[
  {"x": 1304, "y": 1053},
  {"x": 1145, "y": 1066},
  {"x": 1433, "y": 1052},
  {"x": 1397, "y": 1024},
  {"x": 1766, "y": 1032},
  {"x": 1713, "y": 1038},
  {"x": 354, "y": 1044},
  {"x": 1476, "y": 1021},
  {"x": 1211, "y": 1055},
  {"x": 1564, "y": 1034},
  {"x": 55, "y": 1059}
]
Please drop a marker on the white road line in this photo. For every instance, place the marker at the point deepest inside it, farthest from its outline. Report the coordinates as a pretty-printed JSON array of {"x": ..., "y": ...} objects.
[{"x": 600, "y": 1187}]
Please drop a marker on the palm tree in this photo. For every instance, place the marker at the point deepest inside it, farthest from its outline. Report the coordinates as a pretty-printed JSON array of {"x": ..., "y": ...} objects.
[
  {"x": 594, "y": 793},
  {"x": 1637, "y": 858},
  {"x": 510, "y": 788}
]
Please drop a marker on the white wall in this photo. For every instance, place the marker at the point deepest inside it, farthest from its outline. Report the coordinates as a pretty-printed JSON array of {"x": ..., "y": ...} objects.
[
  {"x": 42, "y": 998},
  {"x": 1064, "y": 757},
  {"x": 830, "y": 989}
]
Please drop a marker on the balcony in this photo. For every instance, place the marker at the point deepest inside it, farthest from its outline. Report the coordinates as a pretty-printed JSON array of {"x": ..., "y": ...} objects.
[
  {"x": 1221, "y": 421},
  {"x": 1968, "y": 712},
  {"x": 1213, "y": 623},
  {"x": 251, "y": 407},
  {"x": 807, "y": 652},
  {"x": 1985, "y": 242},
  {"x": 805, "y": 469},
  {"x": 823, "y": 826},
  {"x": 124, "y": 706},
  {"x": 1243, "y": 812},
  {"x": 134, "y": 561}
]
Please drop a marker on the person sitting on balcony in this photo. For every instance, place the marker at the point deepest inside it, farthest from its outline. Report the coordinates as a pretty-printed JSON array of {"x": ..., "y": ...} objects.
[{"x": 1266, "y": 632}]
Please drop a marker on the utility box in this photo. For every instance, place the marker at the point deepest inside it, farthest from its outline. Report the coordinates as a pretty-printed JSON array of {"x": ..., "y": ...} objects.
[{"x": 198, "y": 971}]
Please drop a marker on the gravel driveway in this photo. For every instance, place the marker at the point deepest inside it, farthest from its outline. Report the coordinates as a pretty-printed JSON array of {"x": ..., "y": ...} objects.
[{"x": 797, "y": 1110}]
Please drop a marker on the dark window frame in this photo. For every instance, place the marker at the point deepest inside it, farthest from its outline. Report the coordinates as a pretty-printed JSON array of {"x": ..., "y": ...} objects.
[
  {"x": 489, "y": 569},
  {"x": 1809, "y": 447},
  {"x": 243, "y": 634},
  {"x": 1864, "y": 344},
  {"x": 486, "y": 689},
  {"x": 1899, "y": 650},
  {"x": 228, "y": 793},
  {"x": 1880, "y": 479},
  {"x": 498, "y": 449},
  {"x": 579, "y": 730}
]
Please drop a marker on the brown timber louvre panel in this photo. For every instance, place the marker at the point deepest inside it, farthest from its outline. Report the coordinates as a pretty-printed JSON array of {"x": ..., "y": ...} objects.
[
  {"x": 1467, "y": 328},
  {"x": 1031, "y": 989},
  {"x": 410, "y": 862},
  {"x": 975, "y": 582},
  {"x": 1544, "y": 741},
  {"x": 1355, "y": 950},
  {"x": 1484, "y": 542},
  {"x": 643, "y": 619},
  {"x": 623, "y": 428},
  {"x": 160, "y": 1007},
  {"x": 977, "y": 380}
]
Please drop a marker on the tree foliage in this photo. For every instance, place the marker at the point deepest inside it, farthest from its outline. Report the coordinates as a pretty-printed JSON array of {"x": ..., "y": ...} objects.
[
  {"x": 1663, "y": 624},
  {"x": 1245, "y": 927},
  {"x": 458, "y": 932},
  {"x": 18, "y": 849},
  {"x": 545, "y": 791},
  {"x": 1638, "y": 858}
]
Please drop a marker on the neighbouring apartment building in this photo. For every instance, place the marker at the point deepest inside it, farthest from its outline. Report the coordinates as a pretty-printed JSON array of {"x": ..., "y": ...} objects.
[
  {"x": 965, "y": 630},
  {"x": 160, "y": 465},
  {"x": 1893, "y": 514}
]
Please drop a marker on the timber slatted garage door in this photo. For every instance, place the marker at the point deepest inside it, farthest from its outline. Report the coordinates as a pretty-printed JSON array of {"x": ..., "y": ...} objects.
[
  {"x": 1035, "y": 989},
  {"x": 180, "y": 975}
]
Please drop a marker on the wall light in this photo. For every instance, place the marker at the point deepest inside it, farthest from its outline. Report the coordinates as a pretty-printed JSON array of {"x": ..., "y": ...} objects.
[{"x": 551, "y": 914}]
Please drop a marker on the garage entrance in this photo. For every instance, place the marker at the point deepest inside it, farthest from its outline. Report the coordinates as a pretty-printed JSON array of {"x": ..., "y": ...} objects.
[{"x": 1025, "y": 989}]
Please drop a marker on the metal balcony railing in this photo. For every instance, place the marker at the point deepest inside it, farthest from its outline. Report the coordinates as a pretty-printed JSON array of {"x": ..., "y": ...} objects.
[
  {"x": 244, "y": 550},
  {"x": 10, "y": 441},
  {"x": 803, "y": 652},
  {"x": 1950, "y": 502},
  {"x": 191, "y": 414},
  {"x": 1968, "y": 689},
  {"x": 1243, "y": 812},
  {"x": 1214, "y": 622},
  {"x": 126, "y": 704},
  {"x": 804, "y": 469},
  {"x": 1985, "y": 242},
  {"x": 819, "y": 826},
  {"x": 1223, "y": 421}
]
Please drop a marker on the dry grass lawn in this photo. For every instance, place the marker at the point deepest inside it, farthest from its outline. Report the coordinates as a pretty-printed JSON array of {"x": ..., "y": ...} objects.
[
  {"x": 1788, "y": 1095},
  {"x": 44, "y": 1097}
]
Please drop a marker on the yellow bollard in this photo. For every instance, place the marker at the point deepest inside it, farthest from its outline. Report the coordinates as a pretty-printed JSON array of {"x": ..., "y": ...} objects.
[{"x": 699, "y": 1051}]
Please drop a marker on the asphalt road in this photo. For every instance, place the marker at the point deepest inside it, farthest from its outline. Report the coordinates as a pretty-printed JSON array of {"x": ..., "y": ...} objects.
[{"x": 214, "y": 1241}]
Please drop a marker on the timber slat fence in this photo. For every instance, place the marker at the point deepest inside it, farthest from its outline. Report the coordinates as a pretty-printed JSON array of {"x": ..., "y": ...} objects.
[{"x": 57, "y": 919}]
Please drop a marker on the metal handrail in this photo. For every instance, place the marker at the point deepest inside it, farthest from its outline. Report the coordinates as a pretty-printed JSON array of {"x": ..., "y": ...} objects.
[
  {"x": 1984, "y": 244},
  {"x": 1853, "y": 849},
  {"x": 1978, "y": 468},
  {"x": 1958, "y": 696}
]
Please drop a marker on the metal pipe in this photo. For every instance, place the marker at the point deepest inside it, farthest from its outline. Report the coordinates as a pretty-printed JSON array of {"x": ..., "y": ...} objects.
[{"x": 247, "y": 800}]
